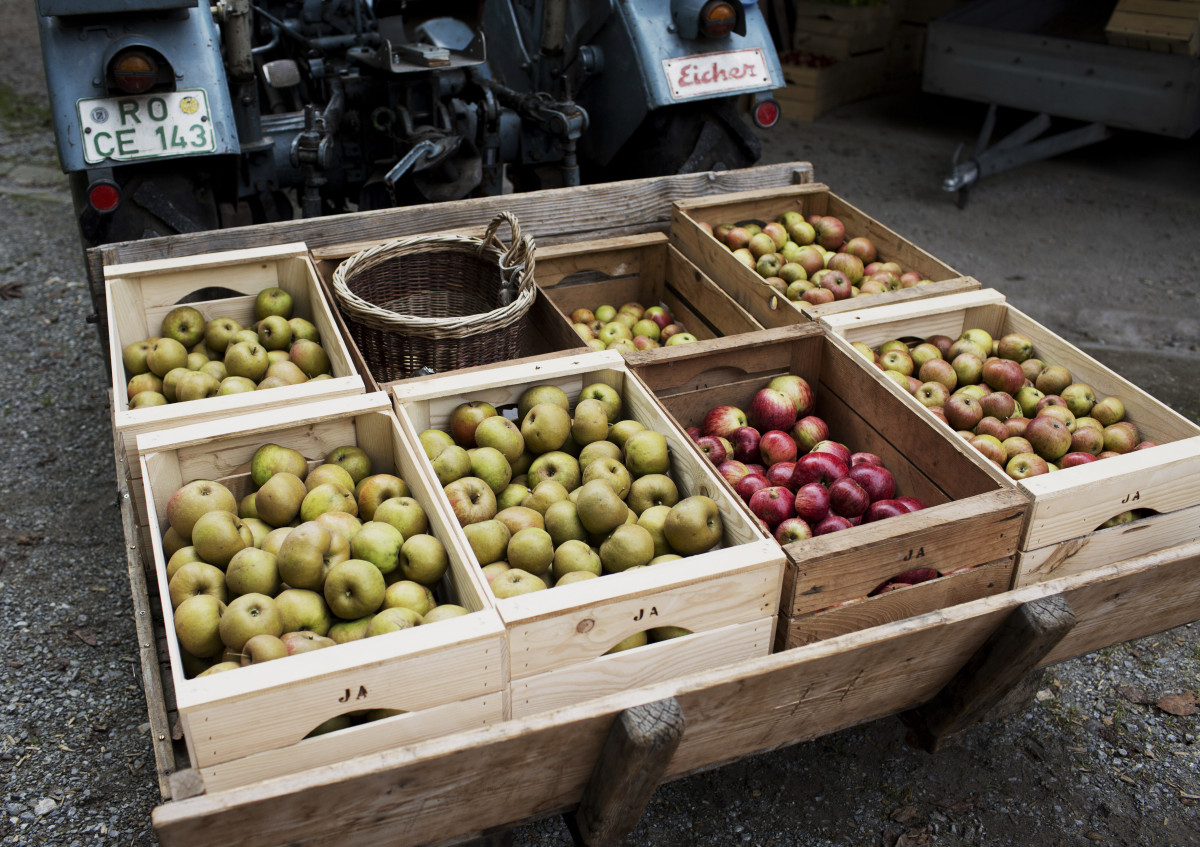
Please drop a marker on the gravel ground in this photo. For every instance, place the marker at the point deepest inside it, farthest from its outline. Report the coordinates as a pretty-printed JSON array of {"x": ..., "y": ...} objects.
[{"x": 1099, "y": 758}]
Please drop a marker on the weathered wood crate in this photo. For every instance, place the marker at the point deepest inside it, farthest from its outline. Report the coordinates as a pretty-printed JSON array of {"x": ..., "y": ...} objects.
[
  {"x": 842, "y": 31},
  {"x": 141, "y": 293},
  {"x": 1062, "y": 535},
  {"x": 812, "y": 91},
  {"x": 557, "y": 638},
  {"x": 638, "y": 268},
  {"x": 728, "y": 713},
  {"x": 543, "y": 333},
  {"x": 971, "y": 520},
  {"x": 1162, "y": 26},
  {"x": 765, "y": 304},
  {"x": 245, "y": 725}
]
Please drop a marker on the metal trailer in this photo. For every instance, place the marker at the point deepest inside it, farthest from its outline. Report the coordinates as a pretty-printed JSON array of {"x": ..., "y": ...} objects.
[{"x": 1050, "y": 57}]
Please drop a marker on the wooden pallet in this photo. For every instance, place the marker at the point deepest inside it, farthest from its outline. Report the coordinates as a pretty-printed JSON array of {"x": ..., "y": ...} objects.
[
  {"x": 747, "y": 288},
  {"x": 972, "y": 519},
  {"x": 558, "y": 638},
  {"x": 639, "y": 268},
  {"x": 1067, "y": 507},
  {"x": 447, "y": 676},
  {"x": 1162, "y": 26}
]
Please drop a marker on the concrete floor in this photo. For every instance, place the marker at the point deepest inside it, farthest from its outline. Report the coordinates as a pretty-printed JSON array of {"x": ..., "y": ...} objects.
[{"x": 1101, "y": 245}]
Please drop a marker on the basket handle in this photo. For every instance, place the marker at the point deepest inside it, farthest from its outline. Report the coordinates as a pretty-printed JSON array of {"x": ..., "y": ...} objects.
[{"x": 517, "y": 259}]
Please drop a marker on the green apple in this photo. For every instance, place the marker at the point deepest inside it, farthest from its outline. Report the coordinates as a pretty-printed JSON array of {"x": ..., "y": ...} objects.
[
  {"x": 652, "y": 490},
  {"x": 612, "y": 471},
  {"x": 146, "y": 399},
  {"x": 600, "y": 507},
  {"x": 562, "y": 522},
  {"x": 184, "y": 324},
  {"x": 166, "y": 355},
  {"x": 192, "y": 579},
  {"x": 247, "y": 616},
  {"x": 453, "y": 463},
  {"x": 217, "y": 536},
  {"x": 620, "y": 432},
  {"x": 270, "y": 459},
  {"x": 590, "y": 423},
  {"x": 558, "y": 466},
  {"x": 608, "y": 396},
  {"x": 423, "y": 559},
  {"x": 180, "y": 558},
  {"x": 278, "y": 500},
  {"x": 328, "y": 472},
  {"x": 243, "y": 358},
  {"x": 196, "y": 385},
  {"x": 600, "y": 450},
  {"x": 305, "y": 641},
  {"x": 501, "y": 433},
  {"x": 273, "y": 301},
  {"x": 638, "y": 639},
  {"x": 629, "y": 545},
  {"x": 303, "y": 329},
  {"x": 133, "y": 356},
  {"x": 514, "y": 582},
  {"x": 236, "y": 385},
  {"x": 392, "y": 620},
  {"x": 303, "y": 610},
  {"x": 198, "y": 625},
  {"x": 252, "y": 571},
  {"x": 404, "y": 513},
  {"x": 444, "y": 612},
  {"x": 646, "y": 453},
  {"x": 694, "y": 525},
  {"x": 654, "y": 519},
  {"x": 307, "y": 553},
  {"x": 538, "y": 394},
  {"x": 488, "y": 464},
  {"x": 274, "y": 332},
  {"x": 434, "y": 441},
  {"x": 545, "y": 427},
  {"x": 409, "y": 594},
  {"x": 263, "y": 647},
  {"x": 471, "y": 499},
  {"x": 517, "y": 518},
  {"x": 573, "y": 556},
  {"x": 574, "y": 576},
  {"x": 353, "y": 458},
  {"x": 379, "y": 543},
  {"x": 373, "y": 490},
  {"x": 531, "y": 549},
  {"x": 339, "y": 523},
  {"x": 488, "y": 540},
  {"x": 547, "y": 492},
  {"x": 218, "y": 332},
  {"x": 354, "y": 588},
  {"x": 514, "y": 494},
  {"x": 143, "y": 382},
  {"x": 194, "y": 499},
  {"x": 327, "y": 497},
  {"x": 343, "y": 632},
  {"x": 280, "y": 373}
]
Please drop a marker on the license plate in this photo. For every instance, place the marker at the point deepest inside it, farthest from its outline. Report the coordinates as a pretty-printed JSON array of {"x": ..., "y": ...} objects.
[
  {"x": 123, "y": 129},
  {"x": 717, "y": 73}
]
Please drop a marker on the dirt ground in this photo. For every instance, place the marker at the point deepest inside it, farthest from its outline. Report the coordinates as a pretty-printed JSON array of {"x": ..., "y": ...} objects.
[{"x": 1101, "y": 246}]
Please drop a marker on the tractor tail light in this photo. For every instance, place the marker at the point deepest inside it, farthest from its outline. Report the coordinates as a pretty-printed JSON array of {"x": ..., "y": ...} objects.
[
  {"x": 718, "y": 19},
  {"x": 134, "y": 71},
  {"x": 766, "y": 114},
  {"x": 104, "y": 195}
]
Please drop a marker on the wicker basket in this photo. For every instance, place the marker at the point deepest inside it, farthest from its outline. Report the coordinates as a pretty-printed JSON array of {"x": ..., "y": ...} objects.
[{"x": 435, "y": 303}]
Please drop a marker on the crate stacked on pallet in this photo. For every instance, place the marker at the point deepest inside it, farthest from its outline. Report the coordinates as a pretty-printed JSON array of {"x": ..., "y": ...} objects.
[
  {"x": 836, "y": 582},
  {"x": 714, "y": 606},
  {"x": 839, "y": 55},
  {"x": 1081, "y": 517},
  {"x": 694, "y": 224},
  {"x": 1162, "y": 26},
  {"x": 411, "y": 683},
  {"x": 140, "y": 295}
]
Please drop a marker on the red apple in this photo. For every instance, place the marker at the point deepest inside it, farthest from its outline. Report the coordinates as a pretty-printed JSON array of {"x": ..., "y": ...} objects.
[
  {"x": 812, "y": 502},
  {"x": 863, "y": 248},
  {"x": 1024, "y": 465},
  {"x": 693, "y": 432},
  {"x": 792, "y": 530},
  {"x": 836, "y": 448},
  {"x": 1070, "y": 460},
  {"x": 1003, "y": 375},
  {"x": 998, "y": 404},
  {"x": 750, "y": 483},
  {"x": 780, "y": 473},
  {"x": 722, "y": 420},
  {"x": 773, "y": 505},
  {"x": 862, "y": 458},
  {"x": 912, "y": 504},
  {"x": 797, "y": 388},
  {"x": 831, "y": 232},
  {"x": 876, "y": 480},
  {"x": 771, "y": 409},
  {"x": 808, "y": 432},
  {"x": 838, "y": 283},
  {"x": 776, "y": 446},
  {"x": 963, "y": 412},
  {"x": 713, "y": 448},
  {"x": 1016, "y": 425},
  {"x": 732, "y": 470},
  {"x": 818, "y": 467},
  {"x": 745, "y": 441},
  {"x": 1049, "y": 436},
  {"x": 881, "y": 509},
  {"x": 847, "y": 498},
  {"x": 833, "y": 523}
]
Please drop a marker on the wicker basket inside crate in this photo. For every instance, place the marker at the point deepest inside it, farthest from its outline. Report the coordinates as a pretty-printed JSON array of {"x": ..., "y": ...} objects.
[{"x": 435, "y": 303}]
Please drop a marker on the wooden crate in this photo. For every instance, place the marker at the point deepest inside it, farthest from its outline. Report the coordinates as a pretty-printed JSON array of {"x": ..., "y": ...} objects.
[
  {"x": 543, "y": 331},
  {"x": 557, "y": 638},
  {"x": 764, "y": 303},
  {"x": 246, "y": 725},
  {"x": 841, "y": 31},
  {"x": 812, "y": 91},
  {"x": 972, "y": 520},
  {"x": 640, "y": 268},
  {"x": 140, "y": 294},
  {"x": 728, "y": 713},
  {"x": 1067, "y": 507},
  {"x": 1162, "y": 26}
]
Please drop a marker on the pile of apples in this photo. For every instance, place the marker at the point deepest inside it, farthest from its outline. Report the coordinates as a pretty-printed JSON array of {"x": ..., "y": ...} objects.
[
  {"x": 307, "y": 560},
  {"x": 193, "y": 358},
  {"x": 811, "y": 259},
  {"x": 566, "y": 495},
  {"x": 630, "y": 328},
  {"x": 779, "y": 459},
  {"x": 1027, "y": 416}
]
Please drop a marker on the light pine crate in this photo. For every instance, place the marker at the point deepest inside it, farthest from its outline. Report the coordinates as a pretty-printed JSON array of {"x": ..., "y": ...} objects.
[
  {"x": 1162, "y": 26},
  {"x": 447, "y": 676},
  {"x": 643, "y": 269},
  {"x": 765, "y": 304},
  {"x": 569, "y": 628},
  {"x": 840, "y": 31},
  {"x": 140, "y": 294},
  {"x": 1067, "y": 507},
  {"x": 971, "y": 520}
]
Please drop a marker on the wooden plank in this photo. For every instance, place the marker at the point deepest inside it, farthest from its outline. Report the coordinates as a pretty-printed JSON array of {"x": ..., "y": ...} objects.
[
  {"x": 631, "y": 763},
  {"x": 1000, "y": 665},
  {"x": 861, "y": 612},
  {"x": 730, "y": 712}
]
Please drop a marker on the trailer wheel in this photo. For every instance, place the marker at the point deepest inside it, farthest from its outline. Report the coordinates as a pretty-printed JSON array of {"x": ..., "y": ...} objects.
[{"x": 707, "y": 136}]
